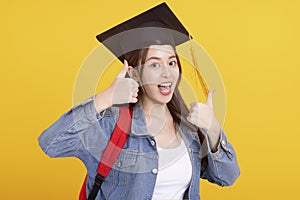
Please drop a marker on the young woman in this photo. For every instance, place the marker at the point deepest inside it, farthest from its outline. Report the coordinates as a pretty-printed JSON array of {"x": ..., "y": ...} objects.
[
  {"x": 164, "y": 156},
  {"x": 169, "y": 147}
]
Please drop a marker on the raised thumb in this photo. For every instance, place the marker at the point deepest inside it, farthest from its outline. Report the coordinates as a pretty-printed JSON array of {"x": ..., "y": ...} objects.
[
  {"x": 209, "y": 98},
  {"x": 124, "y": 70}
]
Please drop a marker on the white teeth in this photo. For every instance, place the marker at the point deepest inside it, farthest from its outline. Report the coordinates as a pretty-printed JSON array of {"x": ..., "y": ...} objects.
[{"x": 165, "y": 84}]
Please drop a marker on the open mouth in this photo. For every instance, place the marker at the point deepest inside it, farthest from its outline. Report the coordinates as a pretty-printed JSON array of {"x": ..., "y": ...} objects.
[{"x": 165, "y": 88}]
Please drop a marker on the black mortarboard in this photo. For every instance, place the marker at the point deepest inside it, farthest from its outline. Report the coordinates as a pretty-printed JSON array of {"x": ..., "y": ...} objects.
[{"x": 158, "y": 25}]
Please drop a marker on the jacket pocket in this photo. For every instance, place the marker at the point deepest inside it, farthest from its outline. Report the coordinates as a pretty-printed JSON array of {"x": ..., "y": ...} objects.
[{"x": 124, "y": 167}]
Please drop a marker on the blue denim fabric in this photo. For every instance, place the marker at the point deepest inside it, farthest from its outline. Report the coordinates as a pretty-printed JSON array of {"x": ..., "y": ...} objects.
[{"x": 82, "y": 132}]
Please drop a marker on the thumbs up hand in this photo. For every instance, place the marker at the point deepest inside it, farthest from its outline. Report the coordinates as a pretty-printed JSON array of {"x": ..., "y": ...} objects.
[
  {"x": 123, "y": 90},
  {"x": 202, "y": 115}
]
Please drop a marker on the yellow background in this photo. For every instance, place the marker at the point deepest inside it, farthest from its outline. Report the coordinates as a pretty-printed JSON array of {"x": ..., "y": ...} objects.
[{"x": 254, "y": 43}]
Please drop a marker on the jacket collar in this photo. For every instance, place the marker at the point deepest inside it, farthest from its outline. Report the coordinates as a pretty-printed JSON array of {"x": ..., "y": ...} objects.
[
  {"x": 138, "y": 123},
  {"x": 139, "y": 127}
]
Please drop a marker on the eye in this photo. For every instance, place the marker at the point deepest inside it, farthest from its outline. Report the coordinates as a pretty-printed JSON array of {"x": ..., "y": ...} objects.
[
  {"x": 155, "y": 65},
  {"x": 173, "y": 63}
]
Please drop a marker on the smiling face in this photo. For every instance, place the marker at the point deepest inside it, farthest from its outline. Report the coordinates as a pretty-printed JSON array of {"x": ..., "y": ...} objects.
[{"x": 159, "y": 75}]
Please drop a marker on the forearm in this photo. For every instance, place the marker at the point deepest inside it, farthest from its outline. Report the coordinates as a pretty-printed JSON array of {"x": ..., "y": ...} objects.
[
  {"x": 214, "y": 135},
  {"x": 222, "y": 166},
  {"x": 103, "y": 100},
  {"x": 80, "y": 118}
]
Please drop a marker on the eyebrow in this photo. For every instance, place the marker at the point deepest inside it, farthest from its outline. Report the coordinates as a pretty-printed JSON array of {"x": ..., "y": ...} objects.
[{"x": 157, "y": 58}]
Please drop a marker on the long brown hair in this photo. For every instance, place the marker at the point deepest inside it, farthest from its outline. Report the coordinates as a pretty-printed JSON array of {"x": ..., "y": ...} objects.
[{"x": 176, "y": 105}]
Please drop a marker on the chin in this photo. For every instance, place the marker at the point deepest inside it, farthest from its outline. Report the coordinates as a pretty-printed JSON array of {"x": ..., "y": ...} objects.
[
  {"x": 157, "y": 97},
  {"x": 163, "y": 99}
]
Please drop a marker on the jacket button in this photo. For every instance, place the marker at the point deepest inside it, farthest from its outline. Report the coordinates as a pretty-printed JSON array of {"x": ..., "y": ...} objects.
[
  {"x": 119, "y": 164},
  {"x": 223, "y": 142},
  {"x": 152, "y": 142},
  {"x": 154, "y": 171}
]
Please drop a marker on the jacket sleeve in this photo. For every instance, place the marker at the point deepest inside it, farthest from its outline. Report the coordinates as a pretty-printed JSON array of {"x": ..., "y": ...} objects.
[
  {"x": 222, "y": 167},
  {"x": 64, "y": 137}
]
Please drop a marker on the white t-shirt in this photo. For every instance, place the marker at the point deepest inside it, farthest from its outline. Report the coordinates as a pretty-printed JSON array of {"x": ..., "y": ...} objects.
[{"x": 174, "y": 173}]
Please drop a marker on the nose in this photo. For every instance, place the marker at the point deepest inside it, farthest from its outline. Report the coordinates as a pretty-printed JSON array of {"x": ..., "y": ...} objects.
[{"x": 165, "y": 71}]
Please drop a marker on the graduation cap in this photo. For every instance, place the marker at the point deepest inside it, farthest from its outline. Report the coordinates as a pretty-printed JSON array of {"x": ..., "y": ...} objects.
[{"x": 158, "y": 25}]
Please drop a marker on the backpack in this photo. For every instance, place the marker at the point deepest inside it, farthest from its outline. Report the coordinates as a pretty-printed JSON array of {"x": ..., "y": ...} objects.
[{"x": 111, "y": 153}]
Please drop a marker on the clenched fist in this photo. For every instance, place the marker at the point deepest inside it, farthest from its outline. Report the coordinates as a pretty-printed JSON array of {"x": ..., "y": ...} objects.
[{"x": 122, "y": 90}]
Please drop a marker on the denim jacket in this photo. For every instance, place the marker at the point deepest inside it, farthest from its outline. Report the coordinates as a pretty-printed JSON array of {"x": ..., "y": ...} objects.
[{"x": 82, "y": 132}]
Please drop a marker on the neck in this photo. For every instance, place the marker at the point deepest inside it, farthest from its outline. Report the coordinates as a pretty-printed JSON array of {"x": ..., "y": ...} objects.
[
  {"x": 158, "y": 117},
  {"x": 155, "y": 109}
]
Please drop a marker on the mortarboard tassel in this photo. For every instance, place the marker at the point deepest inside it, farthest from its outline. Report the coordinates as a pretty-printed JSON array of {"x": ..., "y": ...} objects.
[{"x": 198, "y": 73}]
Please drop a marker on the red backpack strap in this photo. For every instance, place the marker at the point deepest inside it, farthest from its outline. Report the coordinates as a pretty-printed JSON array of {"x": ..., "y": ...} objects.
[
  {"x": 111, "y": 152},
  {"x": 82, "y": 194},
  {"x": 117, "y": 141}
]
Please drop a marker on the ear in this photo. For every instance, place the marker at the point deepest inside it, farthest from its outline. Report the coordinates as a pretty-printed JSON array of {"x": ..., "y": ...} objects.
[{"x": 132, "y": 72}]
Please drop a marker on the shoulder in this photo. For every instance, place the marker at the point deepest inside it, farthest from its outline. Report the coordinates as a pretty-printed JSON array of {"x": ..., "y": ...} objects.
[
  {"x": 95, "y": 137},
  {"x": 109, "y": 118},
  {"x": 111, "y": 112}
]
